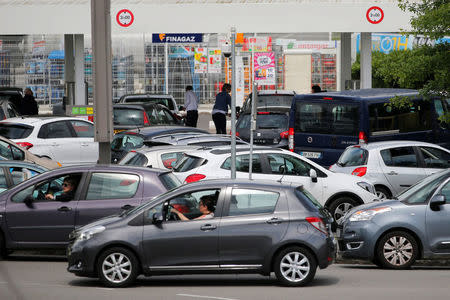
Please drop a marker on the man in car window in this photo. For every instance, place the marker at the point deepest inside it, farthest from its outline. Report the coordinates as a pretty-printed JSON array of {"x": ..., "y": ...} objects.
[
  {"x": 206, "y": 206},
  {"x": 69, "y": 187}
]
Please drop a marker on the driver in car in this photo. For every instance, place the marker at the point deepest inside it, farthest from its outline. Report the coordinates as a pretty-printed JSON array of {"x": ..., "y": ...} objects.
[
  {"x": 68, "y": 190},
  {"x": 206, "y": 206}
]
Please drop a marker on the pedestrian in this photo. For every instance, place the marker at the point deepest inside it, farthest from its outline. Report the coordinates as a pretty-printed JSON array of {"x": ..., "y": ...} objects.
[
  {"x": 28, "y": 105},
  {"x": 191, "y": 106},
  {"x": 316, "y": 89},
  {"x": 220, "y": 109}
]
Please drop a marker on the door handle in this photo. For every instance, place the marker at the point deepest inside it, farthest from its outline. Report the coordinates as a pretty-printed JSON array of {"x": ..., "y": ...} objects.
[
  {"x": 274, "y": 221},
  {"x": 64, "y": 208},
  {"x": 392, "y": 173},
  {"x": 208, "y": 227},
  {"x": 127, "y": 206}
]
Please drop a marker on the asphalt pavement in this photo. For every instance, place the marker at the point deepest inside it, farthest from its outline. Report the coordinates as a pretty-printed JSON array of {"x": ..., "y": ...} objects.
[{"x": 34, "y": 278}]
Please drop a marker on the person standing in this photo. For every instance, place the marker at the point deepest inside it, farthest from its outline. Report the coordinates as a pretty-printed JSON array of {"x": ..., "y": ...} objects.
[
  {"x": 220, "y": 109},
  {"x": 191, "y": 106},
  {"x": 28, "y": 105}
]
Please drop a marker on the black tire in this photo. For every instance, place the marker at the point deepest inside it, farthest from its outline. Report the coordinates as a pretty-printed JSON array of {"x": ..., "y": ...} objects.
[
  {"x": 3, "y": 251},
  {"x": 305, "y": 269},
  {"x": 383, "y": 193},
  {"x": 110, "y": 261},
  {"x": 397, "y": 250},
  {"x": 340, "y": 206},
  {"x": 376, "y": 262}
]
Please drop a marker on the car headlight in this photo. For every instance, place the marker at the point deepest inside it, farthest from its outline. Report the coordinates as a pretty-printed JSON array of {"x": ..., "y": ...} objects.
[
  {"x": 368, "y": 214},
  {"x": 367, "y": 186},
  {"x": 88, "y": 233}
]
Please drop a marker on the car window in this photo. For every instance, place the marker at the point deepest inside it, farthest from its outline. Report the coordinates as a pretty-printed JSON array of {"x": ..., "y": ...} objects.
[
  {"x": 5, "y": 150},
  {"x": 17, "y": 153},
  {"x": 55, "y": 130},
  {"x": 152, "y": 115},
  {"x": 169, "y": 160},
  {"x": 242, "y": 163},
  {"x": 112, "y": 186},
  {"x": 353, "y": 156},
  {"x": 83, "y": 129},
  {"x": 264, "y": 121},
  {"x": 15, "y": 131},
  {"x": 288, "y": 165},
  {"x": 163, "y": 118},
  {"x": 11, "y": 111},
  {"x": 169, "y": 181},
  {"x": 446, "y": 192},
  {"x": 134, "y": 159},
  {"x": 128, "y": 116},
  {"x": 188, "y": 162},
  {"x": 435, "y": 158},
  {"x": 19, "y": 174},
  {"x": 2, "y": 114},
  {"x": 127, "y": 142},
  {"x": 421, "y": 191},
  {"x": 247, "y": 201},
  {"x": 3, "y": 185},
  {"x": 399, "y": 157}
]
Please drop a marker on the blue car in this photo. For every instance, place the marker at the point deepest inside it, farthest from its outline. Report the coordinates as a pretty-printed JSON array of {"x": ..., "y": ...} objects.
[{"x": 395, "y": 233}]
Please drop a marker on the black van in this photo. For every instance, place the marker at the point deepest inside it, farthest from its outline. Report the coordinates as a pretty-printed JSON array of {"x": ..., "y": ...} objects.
[{"x": 322, "y": 125}]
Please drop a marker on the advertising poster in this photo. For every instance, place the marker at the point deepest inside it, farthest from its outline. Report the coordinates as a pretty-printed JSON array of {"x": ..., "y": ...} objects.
[
  {"x": 240, "y": 87},
  {"x": 215, "y": 61},
  {"x": 258, "y": 44},
  {"x": 200, "y": 61},
  {"x": 264, "y": 63}
]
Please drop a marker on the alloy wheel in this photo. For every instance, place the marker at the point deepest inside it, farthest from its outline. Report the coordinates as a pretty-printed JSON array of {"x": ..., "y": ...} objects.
[
  {"x": 398, "y": 250},
  {"x": 116, "y": 267},
  {"x": 340, "y": 211},
  {"x": 295, "y": 266}
]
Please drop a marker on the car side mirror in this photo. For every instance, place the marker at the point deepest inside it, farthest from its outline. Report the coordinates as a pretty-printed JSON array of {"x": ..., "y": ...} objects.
[
  {"x": 313, "y": 175},
  {"x": 28, "y": 201},
  {"x": 437, "y": 201},
  {"x": 158, "y": 218}
]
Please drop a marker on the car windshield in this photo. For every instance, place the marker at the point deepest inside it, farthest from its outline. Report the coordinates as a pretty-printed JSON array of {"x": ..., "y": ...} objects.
[
  {"x": 353, "y": 156},
  {"x": 128, "y": 116},
  {"x": 274, "y": 100},
  {"x": 422, "y": 191},
  {"x": 126, "y": 142},
  {"x": 157, "y": 100},
  {"x": 15, "y": 131},
  {"x": 265, "y": 121}
]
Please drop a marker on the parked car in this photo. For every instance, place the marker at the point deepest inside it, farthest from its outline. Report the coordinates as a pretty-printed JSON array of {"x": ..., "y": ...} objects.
[
  {"x": 32, "y": 219},
  {"x": 162, "y": 157},
  {"x": 130, "y": 116},
  {"x": 163, "y": 99},
  {"x": 267, "y": 215},
  {"x": 134, "y": 139},
  {"x": 68, "y": 140},
  {"x": 12, "y": 151},
  {"x": 322, "y": 125},
  {"x": 395, "y": 233},
  {"x": 392, "y": 166},
  {"x": 14, "y": 172},
  {"x": 337, "y": 192}
]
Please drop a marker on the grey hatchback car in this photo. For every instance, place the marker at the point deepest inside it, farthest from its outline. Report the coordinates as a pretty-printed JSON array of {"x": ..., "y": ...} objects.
[
  {"x": 247, "y": 227},
  {"x": 395, "y": 233},
  {"x": 42, "y": 211}
]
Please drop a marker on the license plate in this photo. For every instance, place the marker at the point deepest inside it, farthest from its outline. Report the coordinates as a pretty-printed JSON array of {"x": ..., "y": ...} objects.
[
  {"x": 311, "y": 154},
  {"x": 259, "y": 141}
]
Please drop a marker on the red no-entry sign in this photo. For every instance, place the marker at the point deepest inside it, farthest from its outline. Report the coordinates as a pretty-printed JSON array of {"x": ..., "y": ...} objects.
[
  {"x": 375, "y": 15},
  {"x": 125, "y": 18}
]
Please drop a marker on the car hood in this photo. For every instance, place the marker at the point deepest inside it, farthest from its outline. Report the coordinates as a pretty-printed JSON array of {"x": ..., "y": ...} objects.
[
  {"x": 375, "y": 204},
  {"x": 102, "y": 222}
]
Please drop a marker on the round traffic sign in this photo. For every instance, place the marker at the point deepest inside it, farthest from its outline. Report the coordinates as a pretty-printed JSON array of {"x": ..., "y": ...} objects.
[
  {"x": 375, "y": 15},
  {"x": 125, "y": 17}
]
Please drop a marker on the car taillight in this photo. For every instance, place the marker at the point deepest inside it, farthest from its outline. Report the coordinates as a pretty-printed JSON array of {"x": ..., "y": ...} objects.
[
  {"x": 194, "y": 178},
  {"x": 146, "y": 121},
  {"x": 362, "y": 137},
  {"x": 284, "y": 134},
  {"x": 91, "y": 118},
  {"x": 291, "y": 139},
  {"x": 318, "y": 224},
  {"x": 237, "y": 133},
  {"x": 26, "y": 145},
  {"x": 263, "y": 113},
  {"x": 361, "y": 171}
]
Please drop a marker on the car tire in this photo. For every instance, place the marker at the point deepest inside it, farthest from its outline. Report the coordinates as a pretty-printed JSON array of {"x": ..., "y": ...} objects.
[
  {"x": 397, "y": 250},
  {"x": 383, "y": 193},
  {"x": 117, "y": 267},
  {"x": 295, "y": 266},
  {"x": 3, "y": 251},
  {"x": 340, "y": 206}
]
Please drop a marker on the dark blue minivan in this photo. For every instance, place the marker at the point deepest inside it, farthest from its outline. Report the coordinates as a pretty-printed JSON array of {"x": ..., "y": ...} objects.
[{"x": 322, "y": 125}]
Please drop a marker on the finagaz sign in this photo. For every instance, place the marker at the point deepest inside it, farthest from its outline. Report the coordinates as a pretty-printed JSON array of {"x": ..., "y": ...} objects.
[{"x": 177, "y": 38}]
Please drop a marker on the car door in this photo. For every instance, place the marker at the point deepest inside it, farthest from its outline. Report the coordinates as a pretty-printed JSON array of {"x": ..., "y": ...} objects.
[
  {"x": 108, "y": 193},
  {"x": 57, "y": 141},
  {"x": 438, "y": 223},
  {"x": 84, "y": 134},
  {"x": 400, "y": 166},
  {"x": 253, "y": 222},
  {"x": 42, "y": 221},
  {"x": 434, "y": 159},
  {"x": 175, "y": 244}
]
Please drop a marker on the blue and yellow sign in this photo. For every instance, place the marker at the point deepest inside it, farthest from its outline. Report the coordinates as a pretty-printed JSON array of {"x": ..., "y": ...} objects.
[{"x": 177, "y": 38}]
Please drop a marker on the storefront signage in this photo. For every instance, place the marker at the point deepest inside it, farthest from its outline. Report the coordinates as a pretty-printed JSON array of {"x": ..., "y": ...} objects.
[
  {"x": 264, "y": 63},
  {"x": 177, "y": 38}
]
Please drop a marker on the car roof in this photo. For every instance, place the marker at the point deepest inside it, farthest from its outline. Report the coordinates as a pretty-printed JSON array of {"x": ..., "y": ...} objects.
[
  {"x": 362, "y": 94},
  {"x": 151, "y": 131},
  {"x": 263, "y": 184},
  {"x": 16, "y": 163},
  {"x": 136, "y": 105},
  {"x": 226, "y": 150},
  {"x": 111, "y": 168},
  {"x": 33, "y": 120},
  {"x": 147, "y": 95},
  {"x": 166, "y": 148},
  {"x": 390, "y": 144},
  {"x": 276, "y": 92}
]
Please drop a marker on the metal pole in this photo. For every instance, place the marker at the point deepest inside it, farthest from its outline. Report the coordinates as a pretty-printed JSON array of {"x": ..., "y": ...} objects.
[
  {"x": 252, "y": 127},
  {"x": 166, "y": 67},
  {"x": 233, "y": 103}
]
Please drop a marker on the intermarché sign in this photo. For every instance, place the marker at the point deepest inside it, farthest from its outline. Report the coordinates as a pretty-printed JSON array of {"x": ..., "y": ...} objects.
[{"x": 177, "y": 38}]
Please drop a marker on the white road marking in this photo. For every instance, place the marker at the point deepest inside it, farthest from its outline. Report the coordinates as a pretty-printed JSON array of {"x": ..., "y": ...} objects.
[{"x": 206, "y": 297}]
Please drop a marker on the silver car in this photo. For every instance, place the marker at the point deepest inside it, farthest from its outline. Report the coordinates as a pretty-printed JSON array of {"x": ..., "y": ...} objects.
[
  {"x": 395, "y": 233},
  {"x": 393, "y": 166}
]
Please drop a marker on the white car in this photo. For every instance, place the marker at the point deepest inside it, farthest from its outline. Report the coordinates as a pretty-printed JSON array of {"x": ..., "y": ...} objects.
[
  {"x": 393, "y": 166},
  {"x": 337, "y": 192},
  {"x": 67, "y": 140}
]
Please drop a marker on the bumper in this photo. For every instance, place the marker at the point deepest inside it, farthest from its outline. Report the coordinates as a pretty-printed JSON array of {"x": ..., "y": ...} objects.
[
  {"x": 357, "y": 240},
  {"x": 81, "y": 260},
  {"x": 327, "y": 255}
]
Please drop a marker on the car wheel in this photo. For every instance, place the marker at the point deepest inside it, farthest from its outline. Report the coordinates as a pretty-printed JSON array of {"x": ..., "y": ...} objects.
[
  {"x": 382, "y": 193},
  {"x": 3, "y": 251},
  {"x": 295, "y": 266},
  {"x": 340, "y": 207},
  {"x": 397, "y": 250},
  {"x": 117, "y": 267}
]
